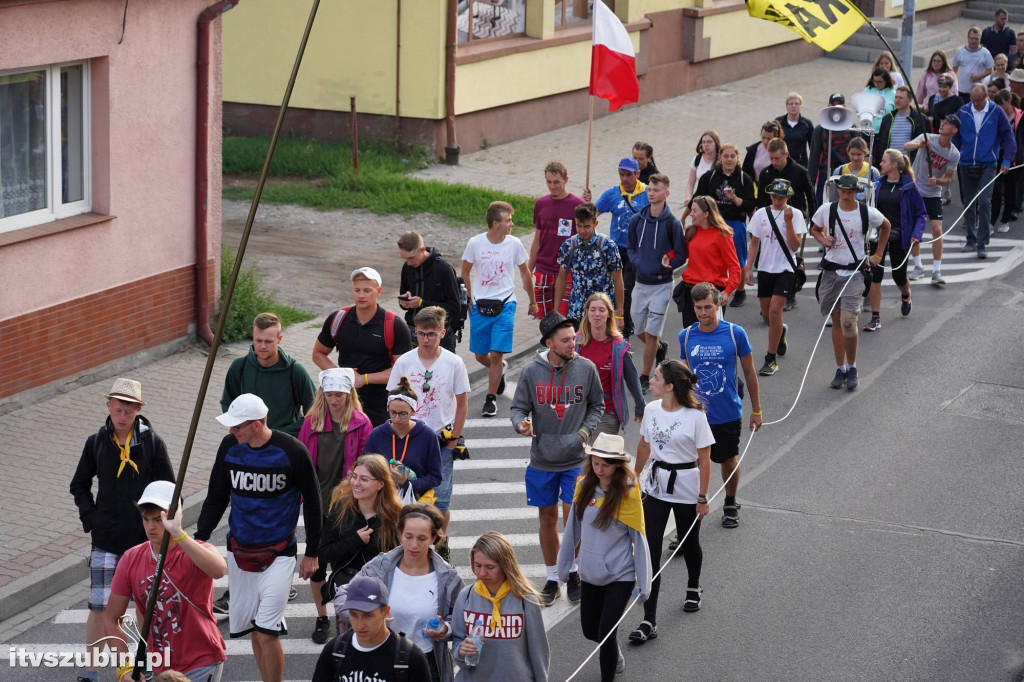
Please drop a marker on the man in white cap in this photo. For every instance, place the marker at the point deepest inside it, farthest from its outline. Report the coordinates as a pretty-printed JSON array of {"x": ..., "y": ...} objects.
[
  {"x": 124, "y": 456},
  {"x": 369, "y": 650},
  {"x": 265, "y": 475},
  {"x": 184, "y": 624},
  {"x": 368, "y": 339}
]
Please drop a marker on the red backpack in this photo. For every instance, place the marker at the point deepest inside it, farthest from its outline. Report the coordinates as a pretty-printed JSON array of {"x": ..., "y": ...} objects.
[{"x": 389, "y": 329}]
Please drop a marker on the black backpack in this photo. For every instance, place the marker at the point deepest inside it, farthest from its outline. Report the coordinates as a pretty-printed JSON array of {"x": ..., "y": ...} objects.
[
  {"x": 403, "y": 652},
  {"x": 458, "y": 324}
]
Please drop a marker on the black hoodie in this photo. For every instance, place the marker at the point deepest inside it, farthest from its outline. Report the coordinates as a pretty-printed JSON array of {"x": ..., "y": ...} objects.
[
  {"x": 434, "y": 281},
  {"x": 111, "y": 516}
]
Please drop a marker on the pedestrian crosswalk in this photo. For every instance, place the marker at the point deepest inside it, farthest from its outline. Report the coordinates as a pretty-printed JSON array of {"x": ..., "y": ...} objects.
[{"x": 489, "y": 494}]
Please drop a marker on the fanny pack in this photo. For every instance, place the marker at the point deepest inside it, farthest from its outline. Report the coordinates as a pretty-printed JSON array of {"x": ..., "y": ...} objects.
[
  {"x": 489, "y": 307},
  {"x": 973, "y": 171},
  {"x": 672, "y": 468},
  {"x": 256, "y": 558}
]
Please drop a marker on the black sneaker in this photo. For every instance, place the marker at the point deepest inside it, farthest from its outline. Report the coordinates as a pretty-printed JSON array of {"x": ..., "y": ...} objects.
[
  {"x": 905, "y": 306},
  {"x": 221, "y": 605},
  {"x": 573, "y": 589},
  {"x": 770, "y": 367},
  {"x": 738, "y": 298},
  {"x": 490, "y": 405},
  {"x": 692, "y": 602},
  {"x": 662, "y": 351},
  {"x": 501, "y": 381},
  {"x": 293, "y": 594},
  {"x": 839, "y": 379},
  {"x": 783, "y": 346},
  {"x": 550, "y": 592},
  {"x": 321, "y": 630},
  {"x": 645, "y": 383},
  {"x": 874, "y": 324},
  {"x": 731, "y": 515},
  {"x": 851, "y": 379}
]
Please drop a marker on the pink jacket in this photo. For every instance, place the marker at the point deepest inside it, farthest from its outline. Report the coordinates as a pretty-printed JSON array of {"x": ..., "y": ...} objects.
[{"x": 359, "y": 428}]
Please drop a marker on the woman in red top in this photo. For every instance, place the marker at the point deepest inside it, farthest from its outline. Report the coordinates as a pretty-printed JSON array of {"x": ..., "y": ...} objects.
[
  {"x": 711, "y": 253},
  {"x": 600, "y": 341}
]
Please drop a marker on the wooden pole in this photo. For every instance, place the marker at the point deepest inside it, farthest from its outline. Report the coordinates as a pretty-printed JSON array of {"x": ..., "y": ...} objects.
[{"x": 590, "y": 140}]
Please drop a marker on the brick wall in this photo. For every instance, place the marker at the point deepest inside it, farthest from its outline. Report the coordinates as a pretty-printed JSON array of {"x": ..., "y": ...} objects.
[{"x": 55, "y": 342}]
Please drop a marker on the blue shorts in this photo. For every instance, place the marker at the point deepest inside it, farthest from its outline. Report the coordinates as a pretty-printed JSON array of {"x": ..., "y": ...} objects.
[
  {"x": 488, "y": 334},
  {"x": 545, "y": 488},
  {"x": 739, "y": 238},
  {"x": 444, "y": 491}
]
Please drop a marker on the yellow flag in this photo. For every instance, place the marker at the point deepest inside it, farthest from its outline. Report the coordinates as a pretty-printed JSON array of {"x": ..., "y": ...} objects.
[{"x": 826, "y": 23}]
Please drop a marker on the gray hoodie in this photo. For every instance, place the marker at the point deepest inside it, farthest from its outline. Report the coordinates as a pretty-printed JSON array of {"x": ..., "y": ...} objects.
[
  {"x": 518, "y": 651},
  {"x": 564, "y": 403},
  {"x": 615, "y": 554}
]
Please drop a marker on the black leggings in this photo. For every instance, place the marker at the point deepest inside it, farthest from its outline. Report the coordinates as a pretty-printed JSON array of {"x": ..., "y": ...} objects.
[
  {"x": 628, "y": 282},
  {"x": 601, "y": 606},
  {"x": 655, "y": 518},
  {"x": 897, "y": 254}
]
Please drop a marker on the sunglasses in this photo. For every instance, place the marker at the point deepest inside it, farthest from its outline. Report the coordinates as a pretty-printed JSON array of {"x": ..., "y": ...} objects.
[{"x": 427, "y": 376}]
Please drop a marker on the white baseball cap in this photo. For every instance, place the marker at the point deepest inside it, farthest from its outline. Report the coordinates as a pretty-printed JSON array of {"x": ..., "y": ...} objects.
[
  {"x": 368, "y": 273},
  {"x": 246, "y": 407},
  {"x": 158, "y": 493}
]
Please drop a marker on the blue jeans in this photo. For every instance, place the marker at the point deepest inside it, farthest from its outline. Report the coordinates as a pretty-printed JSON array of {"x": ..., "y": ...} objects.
[
  {"x": 980, "y": 214},
  {"x": 444, "y": 491}
]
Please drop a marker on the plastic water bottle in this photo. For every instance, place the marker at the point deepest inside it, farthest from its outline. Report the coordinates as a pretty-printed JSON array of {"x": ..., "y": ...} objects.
[
  {"x": 400, "y": 468},
  {"x": 431, "y": 624},
  {"x": 476, "y": 633}
]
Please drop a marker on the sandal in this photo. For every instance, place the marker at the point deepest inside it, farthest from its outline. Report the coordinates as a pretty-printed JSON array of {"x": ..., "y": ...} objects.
[
  {"x": 731, "y": 515},
  {"x": 693, "y": 603},
  {"x": 644, "y": 632}
]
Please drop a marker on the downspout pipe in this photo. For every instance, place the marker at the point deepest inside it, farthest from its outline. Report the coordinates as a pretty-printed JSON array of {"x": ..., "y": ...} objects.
[
  {"x": 451, "y": 150},
  {"x": 206, "y": 18}
]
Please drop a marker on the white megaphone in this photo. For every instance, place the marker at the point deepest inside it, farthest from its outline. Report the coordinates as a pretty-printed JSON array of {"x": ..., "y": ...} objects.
[
  {"x": 867, "y": 105},
  {"x": 836, "y": 118}
]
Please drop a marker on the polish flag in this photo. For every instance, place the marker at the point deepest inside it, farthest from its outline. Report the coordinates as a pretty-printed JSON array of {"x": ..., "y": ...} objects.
[{"x": 612, "y": 62}]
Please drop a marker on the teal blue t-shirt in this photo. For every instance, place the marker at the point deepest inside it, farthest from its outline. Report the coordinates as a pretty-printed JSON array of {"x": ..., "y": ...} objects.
[{"x": 712, "y": 356}]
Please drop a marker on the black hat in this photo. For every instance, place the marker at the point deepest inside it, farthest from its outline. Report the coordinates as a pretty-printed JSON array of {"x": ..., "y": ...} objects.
[
  {"x": 847, "y": 181},
  {"x": 953, "y": 119},
  {"x": 552, "y": 322},
  {"x": 836, "y": 97}
]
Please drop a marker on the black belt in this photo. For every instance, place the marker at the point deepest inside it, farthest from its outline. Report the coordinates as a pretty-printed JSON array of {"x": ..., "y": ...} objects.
[{"x": 672, "y": 468}]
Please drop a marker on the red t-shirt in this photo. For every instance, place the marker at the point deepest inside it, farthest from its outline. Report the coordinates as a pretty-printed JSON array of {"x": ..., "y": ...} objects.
[
  {"x": 555, "y": 222},
  {"x": 191, "y": 635},
  {"x": 600, "y": 353}
]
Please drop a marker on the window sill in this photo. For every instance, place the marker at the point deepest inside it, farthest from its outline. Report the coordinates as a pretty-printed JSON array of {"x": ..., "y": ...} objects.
[
  {"x": 733, "y": 6},
  {"x": 493, "y": 49},
  {"x": 53, "y": 227}
]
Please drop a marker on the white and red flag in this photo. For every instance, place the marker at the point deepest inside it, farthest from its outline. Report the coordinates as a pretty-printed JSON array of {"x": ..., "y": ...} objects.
[{"x": 612, "y": 61}]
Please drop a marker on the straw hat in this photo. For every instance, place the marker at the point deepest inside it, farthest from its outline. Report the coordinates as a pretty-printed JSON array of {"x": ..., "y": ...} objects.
[
  {"x": 610, "y": 447},
  {"x": 128, "y": 390}
]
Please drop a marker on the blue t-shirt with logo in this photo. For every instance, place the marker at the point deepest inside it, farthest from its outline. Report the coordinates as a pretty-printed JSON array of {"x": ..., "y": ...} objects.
[{"x": 712, "y": 357}]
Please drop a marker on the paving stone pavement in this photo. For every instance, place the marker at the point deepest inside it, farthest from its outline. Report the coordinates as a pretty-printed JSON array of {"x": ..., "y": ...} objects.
[{"x": 43, "y": 548}]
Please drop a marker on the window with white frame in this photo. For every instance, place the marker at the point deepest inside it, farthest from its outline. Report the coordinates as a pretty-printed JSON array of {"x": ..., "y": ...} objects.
[{"x": 44, "y": 144}]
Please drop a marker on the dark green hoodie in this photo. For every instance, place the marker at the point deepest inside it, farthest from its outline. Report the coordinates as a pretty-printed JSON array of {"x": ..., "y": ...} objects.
[{"x": 285, "y": 387}]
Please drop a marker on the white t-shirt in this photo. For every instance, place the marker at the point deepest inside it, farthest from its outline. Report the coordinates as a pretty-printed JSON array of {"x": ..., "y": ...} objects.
[
  {"x": 413, "y": 602},
  {"x": 839, "y": 252},
  {"x": 494, "y": 266},
  {"x": 966, "y": 62},
  {"x": 675, "y": 438},
  {"x": 771, "y": 258},
  {"x": 897, "y": 79},
  {"x": 702, "y": 166},
  {"x": 448, "y": 378}
]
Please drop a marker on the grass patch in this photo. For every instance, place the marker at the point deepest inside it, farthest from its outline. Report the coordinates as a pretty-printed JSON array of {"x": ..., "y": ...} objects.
[
  {"x": 249, "y": 300},
  {"x": 382, "y": 184}
]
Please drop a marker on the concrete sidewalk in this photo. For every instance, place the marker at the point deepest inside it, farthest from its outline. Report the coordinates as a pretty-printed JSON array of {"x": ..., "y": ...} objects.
[{"x": 44, "y": 549}]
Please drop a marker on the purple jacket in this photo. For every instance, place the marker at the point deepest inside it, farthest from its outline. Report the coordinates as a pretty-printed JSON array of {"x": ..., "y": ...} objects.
[
  {"x": 359, "y": 428},
  {"x": 913, "y": 216}
]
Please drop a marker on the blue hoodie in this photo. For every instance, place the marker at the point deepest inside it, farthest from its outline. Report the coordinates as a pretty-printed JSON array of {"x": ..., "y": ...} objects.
[
  {"x": 913, "y": 216},
  {"x": 982, "y": 147},
  {"x": 651, "y": 238}
]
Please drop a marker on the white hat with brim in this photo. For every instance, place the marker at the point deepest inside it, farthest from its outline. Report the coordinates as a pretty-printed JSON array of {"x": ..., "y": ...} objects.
[
  {"x": 609, "y": 446},
  {"x": 158, "y": 493},
  {"x": 1016, "y": 76},
  {"x": 245, "y": 408}
]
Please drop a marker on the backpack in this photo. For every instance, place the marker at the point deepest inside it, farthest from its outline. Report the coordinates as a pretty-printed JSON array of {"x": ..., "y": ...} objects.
[
  {"x": 403, "y": 652},
  {"x": 458, "y": 324},
  {"x": 577, "y": 243},
  {"x": 735, "y": 350},
  {"x": 389, "y": 329}
]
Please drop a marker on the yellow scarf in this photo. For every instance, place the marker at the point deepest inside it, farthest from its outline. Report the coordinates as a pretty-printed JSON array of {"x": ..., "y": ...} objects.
[
  {"x": 126, "y": 452},
  {"x": 637, "y": 190},
  {"x": 503, "y": 592},
  {"x": 631, "y": 509}
]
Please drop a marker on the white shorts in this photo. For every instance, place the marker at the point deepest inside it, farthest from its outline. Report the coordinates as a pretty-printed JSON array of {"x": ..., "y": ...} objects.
[
  {"x": 649, "y": 303},
  {"x": 258, "y": 599}
]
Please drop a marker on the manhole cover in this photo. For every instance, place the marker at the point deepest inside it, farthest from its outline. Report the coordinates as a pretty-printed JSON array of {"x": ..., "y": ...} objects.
[{"x": 993, "y": 402}]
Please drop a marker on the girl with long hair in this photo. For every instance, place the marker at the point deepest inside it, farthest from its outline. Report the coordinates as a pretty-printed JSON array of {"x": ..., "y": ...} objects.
[
  {"x": 676, "y": 437},
  {"x": 515, "y": 645},
  {"x": 881, "y": 83},
  {"x": 607, "y": 523},
  {"x": 898, "y": 199},
  {"x": 928, "y": 84},
  {"x": 708, "y": 148},
  {"x": 334, "y": 431},
  {"x": 600, "y": 341},
  {"x": 643, "y": 154},
  {"x": 755, "y": 159},
  {"x": 421, "y": 586},
  {"x": 886, "y": 63},
  {"x": 712, "y": 254}
]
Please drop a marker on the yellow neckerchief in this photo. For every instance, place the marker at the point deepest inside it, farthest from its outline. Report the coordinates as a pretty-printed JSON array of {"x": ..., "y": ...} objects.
[
  {"x": 640, "y": 188},
  {"x": 126, "y": 452},
  {"x": 631, "y": 510},
  {"x": 503, "y": 592},
  {"x": 865, "y": 169}
]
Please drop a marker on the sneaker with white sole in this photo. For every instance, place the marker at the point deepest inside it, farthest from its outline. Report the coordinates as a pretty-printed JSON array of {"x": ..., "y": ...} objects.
[
  {"x": 223, "y": 604},
  {"x": 874, "y": 324},
  {"x": 501, "y": 381},
  {"x": 490, "y": 405},
  {"x": 783, "y": 346},
  {"x": 905, "y": 306},
  {"x": 839, "y": 379},
  {"x": 937, "y": 280},
  {"x": 851, "y": 379},
  {"x": 770, "y": 367},
  {"x": 916, "y": 273},
  {"x": 1003, "y": 228},
  {"x": 550, "y": 592}
]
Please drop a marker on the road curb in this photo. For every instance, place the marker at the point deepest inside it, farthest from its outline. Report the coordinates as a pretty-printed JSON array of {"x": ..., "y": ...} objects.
[{"x": 29, "y": 590}]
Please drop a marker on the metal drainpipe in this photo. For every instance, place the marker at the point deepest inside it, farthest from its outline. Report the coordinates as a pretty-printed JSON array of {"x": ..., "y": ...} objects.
[
  {"x": 451, "y": 150},
  {"x": 202, "y": 311}
]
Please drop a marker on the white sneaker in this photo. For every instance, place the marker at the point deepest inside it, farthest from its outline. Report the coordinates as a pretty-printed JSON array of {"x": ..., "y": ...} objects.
[
  {"x": 1003, "y": 227},
  {"x": 916, "y": 273}
]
